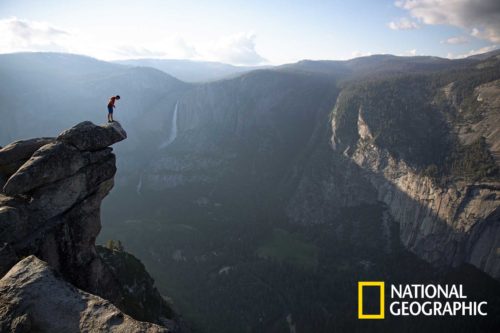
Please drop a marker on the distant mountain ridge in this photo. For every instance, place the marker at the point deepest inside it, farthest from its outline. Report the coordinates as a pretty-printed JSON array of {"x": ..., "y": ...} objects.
[{"x": 190, "y": 70}]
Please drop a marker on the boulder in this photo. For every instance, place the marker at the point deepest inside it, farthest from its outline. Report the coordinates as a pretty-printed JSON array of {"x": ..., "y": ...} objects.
[
  {"x": 48, "y": 164},
  {"x": 21, "y": 150},
  {"x": 52, "y": 163},
  {"x": 34, "y": 296},
  {"x": 55, "y": 198},
  {"x": 88, "y": 136},
  {"x": 15, "y": 154}
]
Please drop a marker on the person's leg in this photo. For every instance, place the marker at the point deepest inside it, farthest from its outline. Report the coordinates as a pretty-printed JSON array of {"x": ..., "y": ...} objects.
[{"x": 110, "y": 114}]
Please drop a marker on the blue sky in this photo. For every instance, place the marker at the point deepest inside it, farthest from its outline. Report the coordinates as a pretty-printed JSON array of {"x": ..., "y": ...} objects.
[{"x": 250, "y": 32}]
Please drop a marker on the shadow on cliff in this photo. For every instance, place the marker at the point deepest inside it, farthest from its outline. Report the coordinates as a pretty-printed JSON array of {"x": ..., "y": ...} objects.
[{"x": 446, "y": 249}]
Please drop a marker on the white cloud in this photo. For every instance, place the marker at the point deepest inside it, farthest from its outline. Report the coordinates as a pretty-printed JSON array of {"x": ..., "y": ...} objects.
[
  {"x": 412, "y": 52},
  {"x": 408, "y": 53},
  {"x": 236, "y": 49},
  {"x": 456, "y": 40},
  {"x": 184, "y": 49},
  {"x": 23, "y": 35},
  {"x": 403, "y": 24},
  {"x": 357, "y": 54},
  {"x": 473, "y": 52},
  {"x": 480, "y": 18},
  {"x": 20, "y": 35},
  {"x": 175, "y": 47}
]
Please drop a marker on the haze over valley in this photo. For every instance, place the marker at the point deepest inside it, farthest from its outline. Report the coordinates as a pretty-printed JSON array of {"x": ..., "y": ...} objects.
[{"x": 255, "y": 200}]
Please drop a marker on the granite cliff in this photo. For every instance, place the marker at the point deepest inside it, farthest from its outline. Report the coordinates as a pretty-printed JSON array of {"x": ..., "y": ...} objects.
[
  {"x": 50, "y": 216},
  {"x": 432, "y": 156}
]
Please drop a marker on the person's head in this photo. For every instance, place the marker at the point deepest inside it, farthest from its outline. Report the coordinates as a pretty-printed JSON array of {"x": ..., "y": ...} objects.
[{"x": 117, "y": 96}]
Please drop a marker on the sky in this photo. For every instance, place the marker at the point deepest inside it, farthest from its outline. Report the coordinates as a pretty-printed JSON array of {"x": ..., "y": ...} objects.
[{"x": 250, "y": 32}]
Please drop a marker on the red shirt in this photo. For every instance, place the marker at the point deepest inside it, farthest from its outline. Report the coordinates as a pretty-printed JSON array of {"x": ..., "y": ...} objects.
[{"x": 112, "y": 101}]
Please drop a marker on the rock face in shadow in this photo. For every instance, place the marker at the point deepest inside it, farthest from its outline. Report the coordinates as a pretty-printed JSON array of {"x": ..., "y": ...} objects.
[
  {"x": 50, "y": 208},
  {"x": 445, "y": 225},
  {"x": 423, "y": 154},
  {"x": 140, "y": 296},
  {"x": 33, "y": 297}
]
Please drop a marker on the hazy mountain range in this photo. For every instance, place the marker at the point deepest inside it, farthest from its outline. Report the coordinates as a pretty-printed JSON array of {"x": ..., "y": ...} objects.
[
  {"x": 258, "y": 201},
  {"x": 192, "y": 71}
]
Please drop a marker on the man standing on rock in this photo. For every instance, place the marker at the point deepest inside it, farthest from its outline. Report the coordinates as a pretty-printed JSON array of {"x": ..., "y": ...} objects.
[{"x": 111, "y": 106}]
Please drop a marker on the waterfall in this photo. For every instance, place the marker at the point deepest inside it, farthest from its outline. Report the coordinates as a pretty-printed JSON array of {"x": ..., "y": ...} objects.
[
  {"x": 139, "y": 186},
  {"x": 173, "y": 128}
]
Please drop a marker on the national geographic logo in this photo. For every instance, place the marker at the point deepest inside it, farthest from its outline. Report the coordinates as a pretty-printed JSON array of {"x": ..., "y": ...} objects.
[
  {"x": 415, "y": 300},
  {"x": 372, "y": 284}
]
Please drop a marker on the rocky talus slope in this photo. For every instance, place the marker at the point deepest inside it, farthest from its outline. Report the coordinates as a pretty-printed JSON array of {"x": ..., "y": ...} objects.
[{"x": 50, "y": 216}]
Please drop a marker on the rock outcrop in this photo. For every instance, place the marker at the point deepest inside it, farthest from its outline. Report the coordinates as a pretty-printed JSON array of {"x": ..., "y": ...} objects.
[
  {"x": 15, "y": 154},
  {"x": 50, "y": 208},
  {"x": 33, "y": 297}
]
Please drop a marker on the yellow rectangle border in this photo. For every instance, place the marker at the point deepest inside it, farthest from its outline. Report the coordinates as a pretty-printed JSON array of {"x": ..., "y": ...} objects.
[{"x": 379, "y": 284}]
